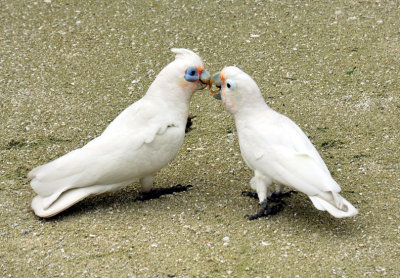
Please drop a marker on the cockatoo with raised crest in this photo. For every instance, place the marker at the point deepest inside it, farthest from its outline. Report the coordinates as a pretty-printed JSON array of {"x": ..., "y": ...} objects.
[
  {"x": 134, "y": 147},
  {"x": 276, "y": 149}
]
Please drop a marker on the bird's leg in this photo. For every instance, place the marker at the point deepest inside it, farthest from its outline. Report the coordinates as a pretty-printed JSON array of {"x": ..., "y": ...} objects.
[
  {"x": 148, "y": 192},
  {"x": 257, "y": 183},
  {"x": 261, "y": 183},
  {"x": 146, "y": 183}
]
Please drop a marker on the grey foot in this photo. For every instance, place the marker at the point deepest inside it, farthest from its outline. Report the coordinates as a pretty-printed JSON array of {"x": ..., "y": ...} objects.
[
  {"x": 275, "y": 197},
  {"x": 250, "y": 194},
  {"x": 265, "y": 210},
  {"x": 156, "y": 193},
  {"x": 189, "y": 124}
]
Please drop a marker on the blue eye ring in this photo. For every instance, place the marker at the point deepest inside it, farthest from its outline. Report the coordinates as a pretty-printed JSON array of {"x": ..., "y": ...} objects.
[{"x": 191, "y": 74}]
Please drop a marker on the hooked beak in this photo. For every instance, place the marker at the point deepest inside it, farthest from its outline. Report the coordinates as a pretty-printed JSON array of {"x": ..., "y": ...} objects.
[
  {"x": 204, "y": 80},
  {"x": 215, "y": 80}
]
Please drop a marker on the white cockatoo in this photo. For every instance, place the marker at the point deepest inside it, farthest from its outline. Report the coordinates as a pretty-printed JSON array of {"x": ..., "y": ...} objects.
[
  {"x": 138, "y": 142},
  {"x": 276, "y": 149}
]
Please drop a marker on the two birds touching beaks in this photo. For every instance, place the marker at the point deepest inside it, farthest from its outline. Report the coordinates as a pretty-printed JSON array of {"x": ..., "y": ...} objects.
[{"x": 147, "y": 135}]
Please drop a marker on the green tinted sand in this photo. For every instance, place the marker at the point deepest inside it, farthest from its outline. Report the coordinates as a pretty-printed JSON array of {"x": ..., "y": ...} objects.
[{"x": 67, "y": 68}]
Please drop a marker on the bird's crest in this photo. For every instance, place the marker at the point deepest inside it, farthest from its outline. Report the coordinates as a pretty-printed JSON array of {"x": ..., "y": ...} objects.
[{"x": 182, "y": 53}]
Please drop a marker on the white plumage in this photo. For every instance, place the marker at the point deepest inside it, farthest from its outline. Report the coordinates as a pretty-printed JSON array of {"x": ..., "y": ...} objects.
[
  {"x": 138, "y": 143},
  {"x": 276, "y": 148}
]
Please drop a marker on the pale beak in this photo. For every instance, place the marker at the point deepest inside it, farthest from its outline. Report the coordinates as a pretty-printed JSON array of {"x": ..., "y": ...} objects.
[
  {"x": 215, "y": 80},
  {"x": 204, "y": 80}
]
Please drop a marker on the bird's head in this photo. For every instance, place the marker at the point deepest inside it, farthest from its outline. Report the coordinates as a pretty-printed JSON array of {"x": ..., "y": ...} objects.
[
  {"x": 185, "y": 75},
  {"x": 236, "y": 89}
]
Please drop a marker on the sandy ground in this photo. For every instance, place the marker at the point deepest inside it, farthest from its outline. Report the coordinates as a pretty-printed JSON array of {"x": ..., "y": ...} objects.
[{"x": 67, "y": 68}]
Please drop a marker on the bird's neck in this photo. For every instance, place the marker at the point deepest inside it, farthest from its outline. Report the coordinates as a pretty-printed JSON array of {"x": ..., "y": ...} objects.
[
  {"x": 173, "y": 98},
  {"x": 248, "y": 114},
  {"x": 251, "y": 110}
]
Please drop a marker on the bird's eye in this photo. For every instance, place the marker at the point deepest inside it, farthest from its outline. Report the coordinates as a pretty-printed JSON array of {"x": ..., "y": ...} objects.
[
  {"x": 230, "y": 85},
  {"x": 191, "y": 74}
]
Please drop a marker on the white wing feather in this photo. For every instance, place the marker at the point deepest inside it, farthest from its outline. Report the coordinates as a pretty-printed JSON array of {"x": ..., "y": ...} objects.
[
  {"x": 278, "y": 142},
  {"x": 137, "y": 143},
  {"x": 285, "y": 165}
]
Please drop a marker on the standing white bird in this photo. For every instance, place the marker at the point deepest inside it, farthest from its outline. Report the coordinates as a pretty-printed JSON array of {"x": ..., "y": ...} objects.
[
  {"x": 276, "y": 149},
  {"x": 139, "y": 142}
]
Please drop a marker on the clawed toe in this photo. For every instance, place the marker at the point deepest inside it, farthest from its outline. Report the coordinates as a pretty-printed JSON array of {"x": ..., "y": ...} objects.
[
  {"x": 265, "y": 211},
  {"x": 158, "y": 192},
  {"x": 250, "y": 194},
  {"x": 277, "y": 197},
  {"x": 266, "y": 208}
]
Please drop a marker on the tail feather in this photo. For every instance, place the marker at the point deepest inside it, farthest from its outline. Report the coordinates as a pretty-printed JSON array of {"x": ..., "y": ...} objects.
[
  {"x": 47, "y": 188},
  {"x": 32, "y": 174},
  {"x": 345, "y": 210},
  {"x": 50, "y": 180},
  {"x": 62, "y": 173},
  {"x": 56, "y": 203},
  {"x": 67, "y": 180},
  {"x": 52, "y": 205}
]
